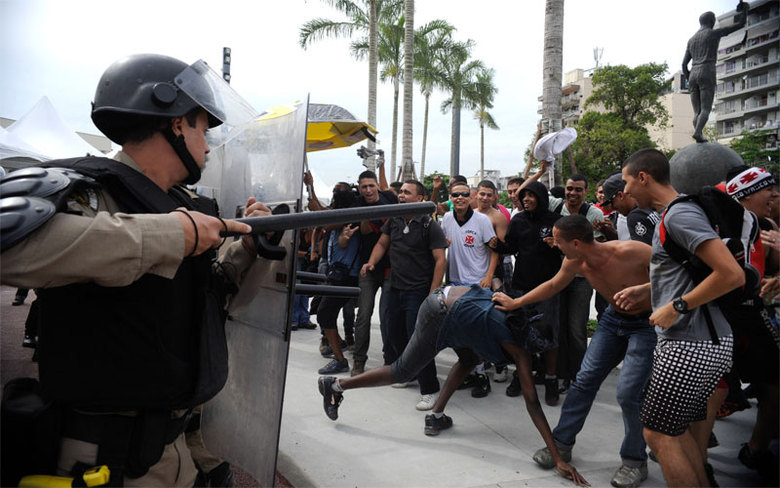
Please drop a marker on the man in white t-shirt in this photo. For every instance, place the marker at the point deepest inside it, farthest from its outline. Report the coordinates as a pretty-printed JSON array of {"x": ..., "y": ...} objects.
[{"x": 470, "y": 260}]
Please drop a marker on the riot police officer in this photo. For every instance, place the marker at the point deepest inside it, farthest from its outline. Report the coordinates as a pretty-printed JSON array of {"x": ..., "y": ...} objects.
[{"x": 132, "y": 295}]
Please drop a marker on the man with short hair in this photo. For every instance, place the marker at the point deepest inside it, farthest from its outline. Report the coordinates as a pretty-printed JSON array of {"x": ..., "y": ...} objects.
[
  {"x": 370, "y": 231},
  {"x": 418, "y": 261},
  {"x": 639, "y": 223},
  {"x": 131, "y": 298},
  {"x": 687, "y": 361},
  {"x": 622, "y": 335}
]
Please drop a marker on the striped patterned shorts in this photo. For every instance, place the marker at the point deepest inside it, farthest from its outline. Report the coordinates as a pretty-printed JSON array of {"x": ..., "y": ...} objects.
[{"x": 684, "y": 376}]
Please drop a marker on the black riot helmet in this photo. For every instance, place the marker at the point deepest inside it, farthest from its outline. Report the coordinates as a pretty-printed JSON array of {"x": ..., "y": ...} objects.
[{"x": 145, "y": 85}]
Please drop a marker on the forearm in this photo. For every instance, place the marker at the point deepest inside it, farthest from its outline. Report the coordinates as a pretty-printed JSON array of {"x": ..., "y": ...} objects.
[
  {"x": 438, "y": 273},
  {"x": 377, "y": 253},
  {"x": 492, "y": 266},
  {"x": 109, "y": 249}
]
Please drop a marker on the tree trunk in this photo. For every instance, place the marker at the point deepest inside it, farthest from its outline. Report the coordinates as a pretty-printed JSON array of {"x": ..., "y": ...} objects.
[
  {"x": 455, "y": 138},
  {"x": 481, "y": 151},
  {"x": 394, "y": 145},
  {"x": 552, "y": 73},
  {"x": 373, "y": 58},
  {"x": 425, "y": 138},
  {"x": 406, "y": 142}
]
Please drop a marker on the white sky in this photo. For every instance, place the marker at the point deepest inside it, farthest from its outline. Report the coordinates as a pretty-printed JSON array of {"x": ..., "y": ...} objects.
[{"x": 59, "y": 48}]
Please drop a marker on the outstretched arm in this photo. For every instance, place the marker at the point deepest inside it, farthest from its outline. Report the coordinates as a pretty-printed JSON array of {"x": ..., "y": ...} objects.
[{"x": 554, "y": 285}]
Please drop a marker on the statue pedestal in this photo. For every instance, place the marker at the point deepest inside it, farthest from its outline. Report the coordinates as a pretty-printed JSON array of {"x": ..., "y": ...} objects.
[{"x": 700, "y": 164}]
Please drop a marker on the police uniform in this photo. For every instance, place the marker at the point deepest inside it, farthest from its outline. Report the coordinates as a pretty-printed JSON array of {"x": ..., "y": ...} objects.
[{"x": 131, "y": 334}]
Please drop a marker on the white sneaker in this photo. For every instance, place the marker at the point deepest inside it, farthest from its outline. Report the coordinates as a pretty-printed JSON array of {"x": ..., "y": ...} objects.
[
  {"x": 400, "y": 385},
  {"x": 500, "y": 375},
  {"x": 426, "y": 402}
]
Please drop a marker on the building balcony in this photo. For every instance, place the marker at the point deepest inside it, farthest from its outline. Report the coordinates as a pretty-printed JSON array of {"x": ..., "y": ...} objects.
[
  {"x": 751, "y": 88},
  {"x": 750, "y": 67}
]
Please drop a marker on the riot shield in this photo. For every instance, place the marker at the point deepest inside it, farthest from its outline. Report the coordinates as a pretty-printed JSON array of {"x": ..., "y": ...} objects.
[{"x": 263, "y": 159}]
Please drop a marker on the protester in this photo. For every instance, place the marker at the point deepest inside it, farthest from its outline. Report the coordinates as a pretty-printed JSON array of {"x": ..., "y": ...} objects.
[{"x": 674, "y": 410}]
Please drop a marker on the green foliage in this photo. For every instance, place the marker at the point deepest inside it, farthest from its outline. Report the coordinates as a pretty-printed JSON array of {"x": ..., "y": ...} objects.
[
  {"x": 503, "y": 199},
  {"x": 752, "y": 147},
  {"x": 603, "y": 142},
  {"x": 632, "y": 93}
]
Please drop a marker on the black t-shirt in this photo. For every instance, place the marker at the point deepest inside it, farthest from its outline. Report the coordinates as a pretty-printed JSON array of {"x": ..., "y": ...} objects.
[
  {"x": 411, "y": 251},
  {"x": 367, "y": 241},
  {"x": 641, "y": 224}
]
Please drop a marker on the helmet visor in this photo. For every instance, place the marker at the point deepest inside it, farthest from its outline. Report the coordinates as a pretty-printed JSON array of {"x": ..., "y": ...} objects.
[{"x": 215, "y": 95}]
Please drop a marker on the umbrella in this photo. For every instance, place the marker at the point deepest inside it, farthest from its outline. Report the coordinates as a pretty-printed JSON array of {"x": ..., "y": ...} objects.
[
  {"x": 554, "y": 143},
  {"x": 329, "y": 126}
]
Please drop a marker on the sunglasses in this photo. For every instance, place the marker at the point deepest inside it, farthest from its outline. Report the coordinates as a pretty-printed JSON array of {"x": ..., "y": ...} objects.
[
  {"x": 575, "y": 188},
  {"x": 463, "y": 194}
]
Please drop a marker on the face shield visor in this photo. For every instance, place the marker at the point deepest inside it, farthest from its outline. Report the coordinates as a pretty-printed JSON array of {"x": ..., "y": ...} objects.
[{"x": 226, "y": 108}]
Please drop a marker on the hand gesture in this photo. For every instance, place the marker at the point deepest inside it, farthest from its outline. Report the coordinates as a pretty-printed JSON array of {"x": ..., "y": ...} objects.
[
  {"x": 253, "y": 208},
  {"x": 308, "y": 179},
  {"x": 771, "y": 238},
  {"x": 437, "y": 181},
  {"x": 570, "y": 473},
  {"x": 349, "y": 230}
]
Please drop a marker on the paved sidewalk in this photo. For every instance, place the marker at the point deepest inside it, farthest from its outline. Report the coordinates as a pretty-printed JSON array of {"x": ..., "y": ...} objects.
[{"x": 378, "y": 439}]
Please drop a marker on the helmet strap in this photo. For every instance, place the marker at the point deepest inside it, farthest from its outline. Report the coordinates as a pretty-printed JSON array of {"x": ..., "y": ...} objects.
[{"x": 180, "y": 147}]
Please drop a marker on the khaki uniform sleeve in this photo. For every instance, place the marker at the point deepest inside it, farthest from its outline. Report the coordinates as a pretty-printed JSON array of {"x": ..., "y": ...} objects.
[{"x": 107, "y": 249}]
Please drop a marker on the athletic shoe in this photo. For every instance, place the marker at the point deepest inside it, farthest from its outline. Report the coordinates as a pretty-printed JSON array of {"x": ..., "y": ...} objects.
[
  {"x": 335, "y": 366},
  {"x": 330, "y": 399},
  {"x": 514, "y": 388},
  {"x": 551, "y": 395},
  {"x": 308, "y": 325},
  {"x": 426, "y": 402},
  {"x": 433, "y": 425},
  {"x": 629, "y": 477},
  {"x": 500, "y": 375},
  {"x": 565, "y": 384},
  {"x": 294, "y": 326},
  {"x": 482, "y": 386},
  {"x": 544, "y": 458},
  {"x": 468, "y": 382}
]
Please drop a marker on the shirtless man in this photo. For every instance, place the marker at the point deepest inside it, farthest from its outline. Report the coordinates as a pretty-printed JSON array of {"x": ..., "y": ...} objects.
[{"x": 623, "y": 334}]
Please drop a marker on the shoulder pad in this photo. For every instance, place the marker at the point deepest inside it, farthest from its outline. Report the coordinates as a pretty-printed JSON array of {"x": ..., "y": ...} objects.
[
  {"x": 20, "y": 216},
  {"x": 39, "y": 182}
]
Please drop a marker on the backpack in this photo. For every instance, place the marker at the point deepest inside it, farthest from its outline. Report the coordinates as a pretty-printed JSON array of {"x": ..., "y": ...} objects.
[
  {"x": 737, "y": 228},
  {"x": 583, "y": 208}
]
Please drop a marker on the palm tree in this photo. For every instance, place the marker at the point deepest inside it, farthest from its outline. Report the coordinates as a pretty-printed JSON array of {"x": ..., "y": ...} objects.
[
  {"x": 487, "y": 91},
  {"x": 407, "y": 165},
  {"x": 363, "y": 16},
  {"x": 428, "y": 49},
  {"x": 459, "y": 76},
  {"x": 552, "y": 71}
]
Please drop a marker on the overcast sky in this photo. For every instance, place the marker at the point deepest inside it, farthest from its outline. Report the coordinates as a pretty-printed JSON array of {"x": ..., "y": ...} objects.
[{"x": 59, "y": 48}]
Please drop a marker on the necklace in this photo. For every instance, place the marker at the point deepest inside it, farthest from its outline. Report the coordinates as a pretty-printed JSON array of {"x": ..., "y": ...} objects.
[{"x": 406, "y": 229}]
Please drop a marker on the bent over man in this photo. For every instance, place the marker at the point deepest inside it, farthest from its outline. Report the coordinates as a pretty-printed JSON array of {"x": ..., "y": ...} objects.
[{"x": 131, "y": 297}]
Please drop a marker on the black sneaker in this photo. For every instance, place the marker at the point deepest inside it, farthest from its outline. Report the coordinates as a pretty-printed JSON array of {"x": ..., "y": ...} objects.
[
  {"x": 468, "y": 382},
  {"x": 335, "y": 366},
  {"x": 433, "y": 425},
  {"x": 481, "y": 386},
  {"x": 565, "y": 384},
  {"x": 514, "y": 389},
  {"x": 551, "y": 395},
  {"x": 330, "y": 399}
]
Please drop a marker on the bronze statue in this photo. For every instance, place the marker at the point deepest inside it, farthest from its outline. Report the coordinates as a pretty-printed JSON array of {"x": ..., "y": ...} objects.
[{"x": 703, "y": 51}]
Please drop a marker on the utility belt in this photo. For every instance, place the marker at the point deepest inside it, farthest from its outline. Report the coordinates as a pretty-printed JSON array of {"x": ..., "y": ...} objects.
[{"x": 128, "y": 444}]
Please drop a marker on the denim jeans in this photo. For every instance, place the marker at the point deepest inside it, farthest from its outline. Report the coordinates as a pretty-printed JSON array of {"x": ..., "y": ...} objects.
[
  {"x": 300, "y": 305},
  {"x": 574, "y": 302},
  {"x": 421, "y": 348},
  {"x": 616, "y": 339},
  {"x": 402, "y": 309},
  {"x": 369, "y": 285}
]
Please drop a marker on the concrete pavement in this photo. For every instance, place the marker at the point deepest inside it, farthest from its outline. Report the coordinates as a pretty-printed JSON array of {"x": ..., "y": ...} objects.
[{"x": 378, "y": 440}]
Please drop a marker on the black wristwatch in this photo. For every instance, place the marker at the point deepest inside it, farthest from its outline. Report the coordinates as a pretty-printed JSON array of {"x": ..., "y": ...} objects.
[{"x": 680, "y": 305}]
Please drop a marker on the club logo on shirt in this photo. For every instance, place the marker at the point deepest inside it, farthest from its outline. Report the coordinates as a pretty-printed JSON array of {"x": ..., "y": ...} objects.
[
  {"x": 469, "y": 240},
  {"x": 640, "y": 229}
]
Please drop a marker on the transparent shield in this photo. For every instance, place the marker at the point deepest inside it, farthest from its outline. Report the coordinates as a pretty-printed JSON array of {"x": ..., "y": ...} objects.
[
  {"x": 241, "y": 424},
  {"x": 210, "y": 91}
]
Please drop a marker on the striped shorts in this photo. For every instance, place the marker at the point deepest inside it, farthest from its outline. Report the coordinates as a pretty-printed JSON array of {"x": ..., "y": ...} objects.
[{"x": 683, "y": 378}]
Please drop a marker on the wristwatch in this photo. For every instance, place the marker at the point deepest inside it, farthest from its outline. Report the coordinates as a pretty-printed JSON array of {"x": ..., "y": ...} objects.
[{"x": 680, "y": 305}]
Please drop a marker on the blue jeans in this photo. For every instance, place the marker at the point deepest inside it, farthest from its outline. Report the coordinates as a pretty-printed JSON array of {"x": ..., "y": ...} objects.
[
  {"x": 402, "y": 308},
  {"x": 301, "y": 306},
  {"x": 616, "y": 339}
]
